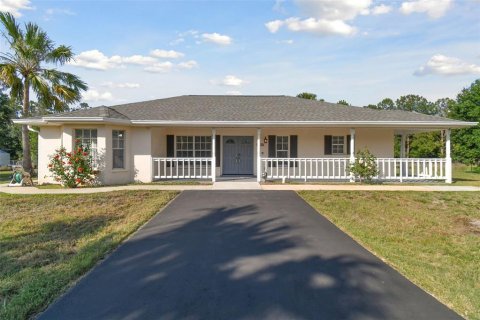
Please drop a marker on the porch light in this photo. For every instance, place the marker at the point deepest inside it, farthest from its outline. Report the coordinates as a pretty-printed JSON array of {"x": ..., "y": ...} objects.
[{"x": 265, "y": 140}]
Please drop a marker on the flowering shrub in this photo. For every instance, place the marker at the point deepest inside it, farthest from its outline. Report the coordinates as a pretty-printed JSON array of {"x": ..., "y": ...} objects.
[
  {"x": 365, "y": 166},
  {"x": 74, "y": 168}
]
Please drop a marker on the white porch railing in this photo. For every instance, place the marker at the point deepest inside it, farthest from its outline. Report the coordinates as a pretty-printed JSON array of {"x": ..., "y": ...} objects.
[
  {"x": 306, "y": 168},
  {"x": 399, "y": 169},
  {"x": 390, "y": 169},
  {"x": 182, "y": 168}
]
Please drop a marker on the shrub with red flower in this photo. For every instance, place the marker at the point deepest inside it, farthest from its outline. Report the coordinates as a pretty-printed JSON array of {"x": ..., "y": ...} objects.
[{"x": 74, "y": 168}]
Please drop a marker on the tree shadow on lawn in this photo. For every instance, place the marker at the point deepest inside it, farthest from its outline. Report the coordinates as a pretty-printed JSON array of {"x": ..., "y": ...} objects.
[
  {"x": 47, "y": 243},
  {"x": 223, "y": 264}
]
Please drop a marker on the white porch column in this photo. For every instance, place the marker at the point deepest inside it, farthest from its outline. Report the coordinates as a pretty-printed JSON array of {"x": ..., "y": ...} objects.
[
  {"x": 352, "y": 151},
  {"x": 448, "y": 157},
  {"x": 259, "y": 155},
  {"x": 214, "y": 160}
]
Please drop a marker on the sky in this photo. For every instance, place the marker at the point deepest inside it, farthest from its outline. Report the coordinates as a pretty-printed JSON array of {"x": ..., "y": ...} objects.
[{"x": 360, "y": 51}]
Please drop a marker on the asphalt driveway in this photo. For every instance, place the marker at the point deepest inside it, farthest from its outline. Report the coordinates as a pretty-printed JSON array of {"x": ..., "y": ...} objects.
[{"x": 243, "y": 255}]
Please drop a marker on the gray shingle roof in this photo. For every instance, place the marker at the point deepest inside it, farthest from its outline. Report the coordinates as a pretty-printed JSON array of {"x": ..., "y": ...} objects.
[{"x": 246, "y": 108}]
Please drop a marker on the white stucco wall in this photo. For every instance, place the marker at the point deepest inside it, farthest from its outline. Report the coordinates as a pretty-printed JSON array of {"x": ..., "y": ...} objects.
[
  {"x": 49, "y": 139},
  {"x": 143, "y": 143}
]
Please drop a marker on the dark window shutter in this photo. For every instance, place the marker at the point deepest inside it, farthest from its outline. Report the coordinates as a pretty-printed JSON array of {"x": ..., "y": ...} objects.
[
  {"x": 170, "y": 146},
  {"x": 348, "y": 144},
  {"x": 272, "y": 146},
  {"x": 293, "y": 149},
  {"x": 272, "y": 149},
  {"x": 327, "y": 145},
  {"x": 217, "y": 151},
  {"x": 293, "y": 146}
]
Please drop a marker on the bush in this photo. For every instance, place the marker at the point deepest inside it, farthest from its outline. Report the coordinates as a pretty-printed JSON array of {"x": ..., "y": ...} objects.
[
  {"x": 365, "y": 166},
  {"x": 72, "y": 169}
]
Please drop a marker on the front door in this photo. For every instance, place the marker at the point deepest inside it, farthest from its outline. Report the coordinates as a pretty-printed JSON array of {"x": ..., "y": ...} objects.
[{"x": 237, "y": 155}]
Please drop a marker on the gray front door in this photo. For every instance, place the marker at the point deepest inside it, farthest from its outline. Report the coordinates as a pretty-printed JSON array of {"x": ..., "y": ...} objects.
[{"x": 237, "y": 155}]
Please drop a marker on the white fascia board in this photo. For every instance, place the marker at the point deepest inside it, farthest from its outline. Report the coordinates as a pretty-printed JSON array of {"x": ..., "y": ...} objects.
[
  {"x": 86, "y": 119},
  {"x": 381, "y": 124}
]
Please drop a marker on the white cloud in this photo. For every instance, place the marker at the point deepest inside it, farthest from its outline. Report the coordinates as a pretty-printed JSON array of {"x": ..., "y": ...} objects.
[
  {"x": 94, "y": 95},
  {"x": 160, "y": 67},
  {"x": 49, "y": 13},
  {"x": 381, "y": 9},
  {"x": 232, "y": 81},
  {"x": 433, "y": 8},
  {"x": 325, "y": 17},
  {"x": 234, "y": 93},
  {"x": 95, "y": 59},
  {"x": 448, "y": 66},
  {"x": 288, "y": 41},
  {"x": 190, "y": 64},
  {"x": 217, "y": 38},
  {"x": 14, "y": 6},
  {"x": 129, "y": 85},
  {"x": 334, "y": 10},
  {"x": 138, "y": 59},
  {"x": 319, "y": 27},
  {"x": 168, "y": 54},
  {"x": 274, "y": 26}
]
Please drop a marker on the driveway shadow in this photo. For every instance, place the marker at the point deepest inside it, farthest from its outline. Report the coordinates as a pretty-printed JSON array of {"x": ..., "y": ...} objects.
[{"x": 230, "y": 262}]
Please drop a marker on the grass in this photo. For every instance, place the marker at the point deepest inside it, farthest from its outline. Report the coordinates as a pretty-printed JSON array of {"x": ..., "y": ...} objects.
[
  {"x": 5, "y": 176},
  {"x": 48, "y": 241},
  {"x": 466, "y": 175},
  {"x": 157, "y": 183},
  {"x": 427, "y": 236}
]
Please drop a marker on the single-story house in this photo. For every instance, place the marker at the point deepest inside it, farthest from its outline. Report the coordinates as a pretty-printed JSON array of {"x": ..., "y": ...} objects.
[{"x": 274, "y": 137}]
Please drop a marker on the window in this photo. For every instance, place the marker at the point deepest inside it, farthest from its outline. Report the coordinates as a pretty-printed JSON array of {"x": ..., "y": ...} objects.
[
  {"x": 282, "y": 146},
  {"x": 88, "y": 138},
  {"x": 118, "y": 147},
  {"x": 338, "y": 144},
  {"x": 194, "y": 146}
]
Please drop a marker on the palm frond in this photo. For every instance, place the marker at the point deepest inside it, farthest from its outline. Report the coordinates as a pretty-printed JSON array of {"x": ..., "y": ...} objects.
[
  {"x": 59, "y": 55},
  {"x": 11, "y": 26}
]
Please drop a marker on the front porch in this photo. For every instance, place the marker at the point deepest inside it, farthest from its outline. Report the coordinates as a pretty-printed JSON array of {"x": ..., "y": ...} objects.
[{"x": 290, "y": 154}]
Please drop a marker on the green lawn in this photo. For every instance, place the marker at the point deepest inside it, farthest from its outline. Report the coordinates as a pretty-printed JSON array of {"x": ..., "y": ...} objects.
[
  {"x": 5, "y": 176},
  {"x": 426, "y": 236},
  {"x": 465, "y": 175},
  {"x": 49, "y": 241}
]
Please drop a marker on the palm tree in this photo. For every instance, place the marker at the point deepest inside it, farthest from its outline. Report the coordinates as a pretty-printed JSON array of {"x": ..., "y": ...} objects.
[{"x": 25, "y": 68}]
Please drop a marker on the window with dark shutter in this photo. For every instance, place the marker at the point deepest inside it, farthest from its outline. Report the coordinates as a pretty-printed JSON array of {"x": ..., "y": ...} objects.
[
  {"x": 170, "y": 146},
  {"x": 217, "y": 150},
  {"x": 348, "y": 144},
  {"x": 327, "y": 145}
]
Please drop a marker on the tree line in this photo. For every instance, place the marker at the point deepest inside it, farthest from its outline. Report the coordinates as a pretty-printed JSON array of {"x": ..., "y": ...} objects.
[{"x": 465, "y": 107}]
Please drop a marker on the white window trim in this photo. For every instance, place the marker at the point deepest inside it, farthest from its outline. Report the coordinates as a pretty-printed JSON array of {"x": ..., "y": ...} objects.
[
  {"x": 288, "y": 147},
  {"x": 124, "y": 168},
  {"x": 340, "y": 144},
  {"x": 94, "y": 151},
  {"x": 193, "y": 146}
]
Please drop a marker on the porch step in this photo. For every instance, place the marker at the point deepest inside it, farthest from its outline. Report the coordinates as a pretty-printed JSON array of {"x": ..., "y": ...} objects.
[{"x": 236, "y": 185}]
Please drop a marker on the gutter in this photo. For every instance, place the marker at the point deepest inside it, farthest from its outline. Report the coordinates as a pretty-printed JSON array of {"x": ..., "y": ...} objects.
[
  {"x": 252, "y": 124},
  {"x": 32, "y": 130}
]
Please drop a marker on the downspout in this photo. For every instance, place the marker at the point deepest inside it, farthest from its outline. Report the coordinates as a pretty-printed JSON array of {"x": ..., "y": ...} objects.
[{"x": 30, "y": 128}]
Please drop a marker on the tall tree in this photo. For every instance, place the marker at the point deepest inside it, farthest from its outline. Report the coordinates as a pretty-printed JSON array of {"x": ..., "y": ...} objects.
[
  {"x": 415, "y": 103},
  {"x": 307, "y": 95},
  {"x": 466, "y": 142},
  {"x": 24, "y": 68},
  {"x": 9, "y": 135},
  {"x": 386, "y": 104},
  {"x": 345, "y": 103}
]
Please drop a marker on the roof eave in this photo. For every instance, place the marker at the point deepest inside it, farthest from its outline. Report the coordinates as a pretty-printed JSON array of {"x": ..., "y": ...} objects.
[
  {"x": 393, "y": 124},
  {"x": 61, "y": 120}
]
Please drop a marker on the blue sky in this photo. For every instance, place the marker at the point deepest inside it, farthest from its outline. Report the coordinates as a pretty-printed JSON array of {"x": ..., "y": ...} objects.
[{"x": 358, "y": 50}]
